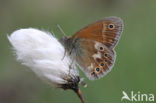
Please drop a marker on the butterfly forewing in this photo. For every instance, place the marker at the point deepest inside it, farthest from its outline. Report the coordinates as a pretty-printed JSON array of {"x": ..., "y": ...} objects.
[{"x": 106, "y": 31}]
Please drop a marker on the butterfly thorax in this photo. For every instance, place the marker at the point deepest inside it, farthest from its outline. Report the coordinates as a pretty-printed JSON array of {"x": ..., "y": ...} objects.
[{"x": 70, "y": 44}]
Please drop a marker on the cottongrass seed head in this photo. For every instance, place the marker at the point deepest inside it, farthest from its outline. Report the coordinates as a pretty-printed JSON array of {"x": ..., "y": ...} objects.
[{"x": 44, "y": 54}]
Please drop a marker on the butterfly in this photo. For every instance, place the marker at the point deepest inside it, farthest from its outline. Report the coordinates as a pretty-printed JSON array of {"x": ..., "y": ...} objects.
[{"x": 93, "y": 46}]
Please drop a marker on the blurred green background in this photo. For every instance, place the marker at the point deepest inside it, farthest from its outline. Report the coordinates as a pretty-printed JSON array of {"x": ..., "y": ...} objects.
[{"x": 135, "y": 67}]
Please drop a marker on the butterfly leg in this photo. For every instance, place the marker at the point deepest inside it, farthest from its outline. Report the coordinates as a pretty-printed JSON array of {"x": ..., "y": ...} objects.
[
  {"x": 72, "y": 59},
  {"x": 70, "y": 66},
  {"x": 65, "y": 52}
]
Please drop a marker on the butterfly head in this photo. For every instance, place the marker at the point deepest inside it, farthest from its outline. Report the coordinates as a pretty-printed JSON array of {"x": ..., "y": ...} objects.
[
  {"x": 66, "y": 42},
  {"x": 64, "y": 39}
]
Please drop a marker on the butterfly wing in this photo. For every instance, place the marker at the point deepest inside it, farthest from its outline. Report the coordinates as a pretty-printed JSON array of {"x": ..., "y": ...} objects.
[
  {"x": 106, "y": 31},
  {"x": 94, "y": 58},
  {"x": 93, "y": 46}
]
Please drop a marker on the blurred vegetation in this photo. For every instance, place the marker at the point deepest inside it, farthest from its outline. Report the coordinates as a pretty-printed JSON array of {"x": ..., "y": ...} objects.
[{"x": 135, "y": 67}]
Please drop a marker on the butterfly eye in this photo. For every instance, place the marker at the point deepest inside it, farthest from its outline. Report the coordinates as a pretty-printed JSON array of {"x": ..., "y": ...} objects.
[
  {"x": 97, "y": 69},
  {"x": 111, "y": 26}
]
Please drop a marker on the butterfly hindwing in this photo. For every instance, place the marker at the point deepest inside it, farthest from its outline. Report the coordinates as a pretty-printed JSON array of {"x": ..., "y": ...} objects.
[{"x": 95, "y": 60}]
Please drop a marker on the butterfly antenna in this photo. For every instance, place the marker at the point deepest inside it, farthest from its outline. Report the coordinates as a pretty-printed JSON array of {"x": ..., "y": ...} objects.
[
  {"x": 64, "y": 54},
  {"x": 60, "y": 29},
  {"x": 52, "y": 33},
  {"x": 79, "y": 93}
]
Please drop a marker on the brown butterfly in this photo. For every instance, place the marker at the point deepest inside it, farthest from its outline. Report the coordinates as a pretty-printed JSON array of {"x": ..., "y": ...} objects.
[{"x": 93, "y": 46}]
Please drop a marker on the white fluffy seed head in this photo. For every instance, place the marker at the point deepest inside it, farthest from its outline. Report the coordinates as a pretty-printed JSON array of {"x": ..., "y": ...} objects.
[{"x": 43, "y": 53}]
